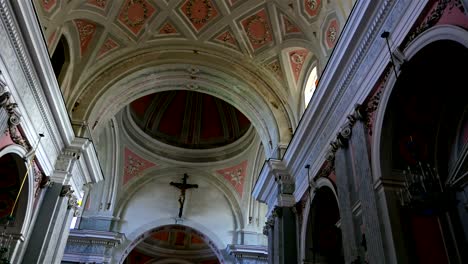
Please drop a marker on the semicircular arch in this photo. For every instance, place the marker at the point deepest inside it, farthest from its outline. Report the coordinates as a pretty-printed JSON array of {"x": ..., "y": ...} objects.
[
  {"x": 436, "y": 33},
  {"x": 152, "y": 174}
]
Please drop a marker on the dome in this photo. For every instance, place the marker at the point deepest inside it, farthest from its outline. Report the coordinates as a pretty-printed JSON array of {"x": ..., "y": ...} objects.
[{"x": 189, "y": 119}]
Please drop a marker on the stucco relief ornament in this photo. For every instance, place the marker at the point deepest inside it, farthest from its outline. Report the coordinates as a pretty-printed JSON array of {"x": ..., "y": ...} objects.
[
  {"x": 84, "y": 30},
  {"x": 258, "y": 40},
  {"x": 101, "y": 3},
  {"x": 190, "y": 12},
  {"x": 297, "y": 58},
  {"x": 312, "y": 4},
  {"x": 276, "y": 68},
  {"x": 13, "y": 122},
  {"x": 133, "y": 165},
  {"x": 192, "y": 86},
  {"x": 332, "y": 34},
  {"x": 137, "y": 22},
  {"x": 193, "y": 70},
  {"x": 236, "y": 177}
]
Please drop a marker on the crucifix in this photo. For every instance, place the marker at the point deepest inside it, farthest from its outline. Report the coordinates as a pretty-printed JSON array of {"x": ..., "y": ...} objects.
[{"x": 183, "y": 187}]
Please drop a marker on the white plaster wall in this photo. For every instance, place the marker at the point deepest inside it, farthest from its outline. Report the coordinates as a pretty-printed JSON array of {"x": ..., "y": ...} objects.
[{"x": 157, "y": 201}]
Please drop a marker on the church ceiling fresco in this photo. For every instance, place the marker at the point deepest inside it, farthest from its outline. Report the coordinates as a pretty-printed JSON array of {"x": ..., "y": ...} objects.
[
  {"x": 248, "y": 31},
  {"x": 235, "y": 175},
  {"x": 189, "y": 119},
  {"x": 134, "y": 165}
]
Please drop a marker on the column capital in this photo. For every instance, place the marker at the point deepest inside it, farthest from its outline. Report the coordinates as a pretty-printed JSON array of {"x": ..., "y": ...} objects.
[
  {"x": 67, "y": 191},
  {"x": 346, "y": 131},
  {"x": 275, "y": 186}
]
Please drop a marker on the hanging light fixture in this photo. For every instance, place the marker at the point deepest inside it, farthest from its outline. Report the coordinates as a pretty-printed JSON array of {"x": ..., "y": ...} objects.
[{"x": 423, "y": 190}]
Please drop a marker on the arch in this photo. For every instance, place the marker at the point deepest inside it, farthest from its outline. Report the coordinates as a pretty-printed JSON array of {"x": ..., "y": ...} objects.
[
  {"x": 170, "y": 261},
  {"x": 156, "y": 173},
  {"x": 441, "y": 32},
  {"x": 320, "y": 183},
  {"x": 17, "y": 152},
  {"x": 159, "y": 70},
  {"x": 23, "y": 218},
  {"x": 432, "y": 40},
  {"x": 143, "y": 232}
]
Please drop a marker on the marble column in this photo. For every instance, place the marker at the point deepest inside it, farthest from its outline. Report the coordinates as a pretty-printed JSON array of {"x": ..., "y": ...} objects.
[
  {"x": 343, "y": 176},
  {"x": 50, "y": 232},
  {"x": 361, "y": 163},
  {"x": 268, "y": 230},
  {"x": 283, "y": 249}
]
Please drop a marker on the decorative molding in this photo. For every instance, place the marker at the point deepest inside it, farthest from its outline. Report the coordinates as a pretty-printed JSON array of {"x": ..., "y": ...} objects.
[
  {"x": 246, "y": 252},
  {"x": 86, "y": 246}
]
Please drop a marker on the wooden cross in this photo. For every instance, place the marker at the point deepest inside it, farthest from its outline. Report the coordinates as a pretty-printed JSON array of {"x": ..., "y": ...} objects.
[{"x": 182, "y": 187}]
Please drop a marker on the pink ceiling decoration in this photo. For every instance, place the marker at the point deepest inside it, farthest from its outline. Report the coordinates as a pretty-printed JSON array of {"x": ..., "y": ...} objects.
[
  {"x": 289, "y": 27},
  {"x": 134, "y": 165},
  {"x": 312, "y": 7},
  {"x": 297, "y": 58},
  {"x": 98, "y": 3},
  {"x": 226, "y": 37},
  {"x": 235, "y": 175},
  {"x": 258, "y": 29},
  {"x": 134, "y": 14},
  {"x": 199, "y": 12},
  {"x": 167, "y": 29},
  {"x": 48, "y": 4},
  {"x": 86, "y": 30},
  {"x": 107, "y": 46},
  {"x": 331, "y": 33}
]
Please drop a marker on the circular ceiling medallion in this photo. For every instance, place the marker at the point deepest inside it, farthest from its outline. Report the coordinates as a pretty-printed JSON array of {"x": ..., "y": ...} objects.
[
  {"x": 258, "y": 30},
  {"x": 135, "y": 13},
  {"x": 199, "y": 11}
]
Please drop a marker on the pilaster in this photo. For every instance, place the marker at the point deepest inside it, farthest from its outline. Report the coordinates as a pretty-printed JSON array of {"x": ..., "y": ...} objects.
[
  {"x": 367, "y": 196},
  {"x": 275, "y": 187},
  {"x": 51, "y": 229}
]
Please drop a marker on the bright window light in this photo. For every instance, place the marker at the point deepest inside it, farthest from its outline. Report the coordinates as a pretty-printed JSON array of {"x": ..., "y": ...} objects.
[{"x": 310, "y": 86}]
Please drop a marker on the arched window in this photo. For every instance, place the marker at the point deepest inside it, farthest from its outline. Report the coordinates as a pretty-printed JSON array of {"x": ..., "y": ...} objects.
[
  {"x": 311, "y": 84},
  {"x": 60, "y": 59}
]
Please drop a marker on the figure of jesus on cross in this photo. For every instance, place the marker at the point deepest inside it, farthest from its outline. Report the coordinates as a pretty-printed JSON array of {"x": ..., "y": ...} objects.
[{"x": 183, "y": 186}]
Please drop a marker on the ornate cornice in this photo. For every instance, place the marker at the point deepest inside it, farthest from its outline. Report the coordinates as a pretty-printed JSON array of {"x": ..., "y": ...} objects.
[
  {"x": 32, "y": 80},
  {"x": 95, "y": 237},
  {"x": 240, "y": 252}
]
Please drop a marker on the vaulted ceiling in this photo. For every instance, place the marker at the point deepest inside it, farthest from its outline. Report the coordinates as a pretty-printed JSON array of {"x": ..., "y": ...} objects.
[{"x": 270, "y": 46}]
